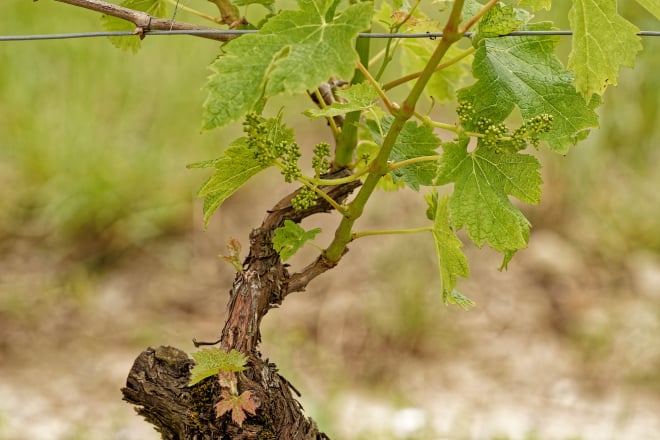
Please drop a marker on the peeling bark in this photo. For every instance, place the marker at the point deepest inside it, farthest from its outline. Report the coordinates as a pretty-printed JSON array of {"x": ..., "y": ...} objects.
[{"x": 157, "y": 383}]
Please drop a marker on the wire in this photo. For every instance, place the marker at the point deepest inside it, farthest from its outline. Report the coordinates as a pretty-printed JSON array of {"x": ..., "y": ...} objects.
[{"x": 235, "y": 32}]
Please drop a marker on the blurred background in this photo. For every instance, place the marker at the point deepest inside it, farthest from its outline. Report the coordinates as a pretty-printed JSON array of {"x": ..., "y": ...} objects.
[{"x": 103, "y": 253}]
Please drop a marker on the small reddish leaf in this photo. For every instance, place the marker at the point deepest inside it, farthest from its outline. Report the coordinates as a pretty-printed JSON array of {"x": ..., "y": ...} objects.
[
  {"x": 234, "y": 255},
  {"x": 238, "y": 405}
]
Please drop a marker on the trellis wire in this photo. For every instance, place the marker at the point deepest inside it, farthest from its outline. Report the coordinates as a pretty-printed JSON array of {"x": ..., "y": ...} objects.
[{"x": 236, "y": 32}]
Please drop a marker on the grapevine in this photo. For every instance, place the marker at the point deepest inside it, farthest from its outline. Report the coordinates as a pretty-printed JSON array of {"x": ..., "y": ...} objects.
[{"x": 382, "y": 140}]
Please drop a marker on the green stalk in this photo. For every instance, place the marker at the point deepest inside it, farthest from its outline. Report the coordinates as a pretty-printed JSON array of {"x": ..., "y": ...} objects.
[
  {"x": 343, "y": 234},
  {"x": 414, "y": 160},
  {"x": 357, "y": 235}
]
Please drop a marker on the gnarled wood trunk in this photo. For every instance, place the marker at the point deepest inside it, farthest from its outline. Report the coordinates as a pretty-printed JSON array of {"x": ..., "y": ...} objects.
[{"x": 158, "y": 380}]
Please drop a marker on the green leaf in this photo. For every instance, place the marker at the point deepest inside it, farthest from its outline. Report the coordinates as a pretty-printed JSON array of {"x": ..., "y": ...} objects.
[
  {"x": 452, "y": 263},
  {"x": 535, "y": 5},
  {"x": 211, "y": 361},
  {"x": 291, "y": 237},
  {"x": 293, "y": 52},
  {"x": 232, "y": 170},
  {"x": 457, "y": 298},
  {"x": 483, "y": 179},
  {"x": 499, "y": 20},
  {"x": 234, "y": 254},
  {"x": 358, "y": 97},
  {"x": 653, "y": 6},
  {"x": 156, "y": 8},
  {"x": 603, "y": 41},
  {"x": 523, "y": 71},
  {"x": 413, "y": 141}
]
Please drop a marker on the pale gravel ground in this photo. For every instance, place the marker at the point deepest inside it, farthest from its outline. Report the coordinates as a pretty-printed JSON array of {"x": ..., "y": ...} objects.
[{"x": 508, "y": 372}]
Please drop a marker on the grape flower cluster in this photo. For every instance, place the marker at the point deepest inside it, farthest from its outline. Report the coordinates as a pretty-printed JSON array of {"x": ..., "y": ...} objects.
[
  {"x": 497, "y": 135},
  {"x": 320, "y": 161},
  {"x": 306, "y": 198},
  {"x": 272, "y": 142}
]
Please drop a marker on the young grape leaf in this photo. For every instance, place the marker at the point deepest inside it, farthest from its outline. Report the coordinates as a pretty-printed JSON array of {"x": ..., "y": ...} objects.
[
  {"x": 452, "y": 263},
  {"x": 156, "y": 8},
  {"x": 234, "y": 254},
  {"x": 457, "y": 298},
  {"x": 653, "y": 6},
  {"x": 603, "y": 41},
  {"x": 499, "y": 20},
  {"x": 483, "y": 179},
  {"x": 535, "y": 5},
  {"x": 293, "y": 52},
  {"x": 238, "y": 405},
  {"x": 291, "y": 237},
  {"x": 524, "y": 71},
  {"x": 413, "y": 141},
  {"x": 211, "y": 361},
  {"x": 358, "y": 97},
  {"x": 232, "y": 170}
]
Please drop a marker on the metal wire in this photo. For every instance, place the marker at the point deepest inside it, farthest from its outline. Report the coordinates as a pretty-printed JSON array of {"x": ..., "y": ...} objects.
[{"x": 234, "y": 32}]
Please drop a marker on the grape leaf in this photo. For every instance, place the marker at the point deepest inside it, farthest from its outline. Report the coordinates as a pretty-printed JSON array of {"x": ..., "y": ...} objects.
[
  {"x": 603, "y": 41},
  {"x": 294, "y": 51},
  {"x": 232, "y": 170},
  {"x": 452, "y": 263},
  {"x": 535, "y": 5},
  {"x": 413, "y": 141},
  {"x": 524, "y": 71},
  {"x": 358, "y": 97},
  {"x": 457, "y": 298},
  {"x": 499, "y": 20},
  {"x": 291, "y": 237},
  {"x": 156, "y": 8},
  {"x": 238, "y": 405},
  {"x": 482, "y": 181},
  {"x": 653, "y": 6},
  {"x": 234, "y": 254},
  {"x": 211, "y": 361}
]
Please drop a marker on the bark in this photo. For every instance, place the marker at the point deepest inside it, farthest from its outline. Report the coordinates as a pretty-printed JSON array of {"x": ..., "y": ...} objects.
[{"x": 157, "y": 383}]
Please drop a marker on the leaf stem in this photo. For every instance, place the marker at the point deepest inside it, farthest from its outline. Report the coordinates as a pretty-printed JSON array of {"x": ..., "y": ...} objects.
[
  {"x": 376, "y": 86},
  {"x": 357, "y": 235},
  {"x": 451, "y": 127},
  {"x": 321, "y": 194},
  {"x": 339, "y": 181},
  {"x": 478, "y": 15},
  {"x": 403, "y": 163},
  {"x": 412, "y": 76},
  {"x": 194, "y": 11},
  {"x": 331, "y": 121}
]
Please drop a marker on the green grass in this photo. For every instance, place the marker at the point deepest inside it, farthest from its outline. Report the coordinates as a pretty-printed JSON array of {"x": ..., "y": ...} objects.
[{"x": 93, "y": 140}]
